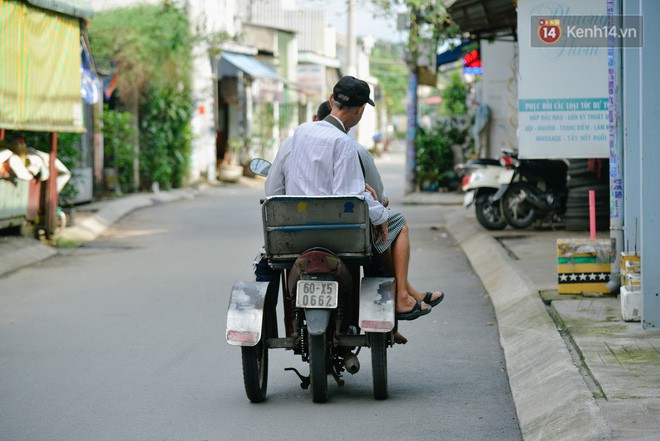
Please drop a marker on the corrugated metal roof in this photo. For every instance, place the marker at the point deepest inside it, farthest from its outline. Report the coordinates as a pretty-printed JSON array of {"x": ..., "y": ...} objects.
[
  {"x": 74, "y": 8},
  {"x": 484, "y": 18}
]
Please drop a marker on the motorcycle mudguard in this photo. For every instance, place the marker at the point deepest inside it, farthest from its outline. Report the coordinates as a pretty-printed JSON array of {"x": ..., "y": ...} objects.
[
  {"x": 500, "y": 192},
  {"x": 469, "y": 198},
  {"x": 377, "y": 304},
  {"x": 245, "y": 313},
  {"x": 317, "y": 320}
]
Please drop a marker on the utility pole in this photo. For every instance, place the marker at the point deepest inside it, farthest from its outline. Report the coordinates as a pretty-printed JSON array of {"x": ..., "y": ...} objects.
[
  {"x": 351, "y": 64},
  {"x": 411, "y": 112}
]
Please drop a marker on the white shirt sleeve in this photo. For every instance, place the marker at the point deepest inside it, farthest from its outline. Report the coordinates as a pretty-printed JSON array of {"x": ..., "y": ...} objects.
[
  {"x": 349, "y": 180},
  {"x": 275, "y": 182},
  {"x": 377, "y": 212}
]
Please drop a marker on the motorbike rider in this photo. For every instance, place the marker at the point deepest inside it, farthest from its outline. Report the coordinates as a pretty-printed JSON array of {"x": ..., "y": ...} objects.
[{"x": 322, "y": 160}]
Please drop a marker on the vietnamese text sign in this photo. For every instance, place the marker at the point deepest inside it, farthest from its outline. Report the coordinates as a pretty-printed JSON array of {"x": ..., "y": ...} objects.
[
  {"x": 565, "y": 121},
  {"x": 563, "y": 99}
]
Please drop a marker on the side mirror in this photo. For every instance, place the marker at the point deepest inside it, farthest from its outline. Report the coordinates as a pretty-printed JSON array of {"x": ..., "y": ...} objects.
[{"x": 260, "y": 167}]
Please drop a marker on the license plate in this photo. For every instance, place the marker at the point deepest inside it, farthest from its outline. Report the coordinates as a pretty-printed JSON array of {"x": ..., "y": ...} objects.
[{"x": 317, "y": 294}]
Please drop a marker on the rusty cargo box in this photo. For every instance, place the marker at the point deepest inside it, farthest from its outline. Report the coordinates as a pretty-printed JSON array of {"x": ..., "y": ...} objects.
[{"x": 293, "y": 224}]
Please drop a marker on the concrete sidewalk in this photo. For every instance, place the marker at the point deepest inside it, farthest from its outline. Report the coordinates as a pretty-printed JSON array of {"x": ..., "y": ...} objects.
[
  {"x": 90, "y": 222},
  {"x": 576, "y": 370}
]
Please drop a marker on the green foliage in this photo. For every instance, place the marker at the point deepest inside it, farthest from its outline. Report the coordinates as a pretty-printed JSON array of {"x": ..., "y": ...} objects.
[
  {"x": 166, "y": 138},
  {"x": 454, "y": 96},
  {"x": 118, "y": 138},
  {"x": 429, "y": 20},
  {"x": 434, "y": 157},
  {"x": 69, "y": 147},
  {"x": 386, "y": 63},
  {"x": 150, "y": 49},
  {"x": 148, "y": 46}
]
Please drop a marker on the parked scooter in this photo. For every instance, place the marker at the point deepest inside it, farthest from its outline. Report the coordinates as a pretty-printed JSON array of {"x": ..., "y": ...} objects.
[
  {"x": 532, "y": 190},
  {"x": 318, "y": 243},
  {"x": 480, "y": 182}
]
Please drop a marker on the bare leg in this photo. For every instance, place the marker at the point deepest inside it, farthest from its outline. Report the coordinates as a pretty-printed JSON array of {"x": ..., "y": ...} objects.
[
  {"x": 400, "y": 252},
  {"x": 401, "y": 258}
]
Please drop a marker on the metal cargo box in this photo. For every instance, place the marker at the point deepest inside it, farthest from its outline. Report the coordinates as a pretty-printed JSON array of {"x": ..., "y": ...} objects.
[{"x": 293, "y": 224}]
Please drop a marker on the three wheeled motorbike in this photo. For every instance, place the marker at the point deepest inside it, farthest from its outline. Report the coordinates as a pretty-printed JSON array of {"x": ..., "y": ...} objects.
[{"x": 318, "y": 244}]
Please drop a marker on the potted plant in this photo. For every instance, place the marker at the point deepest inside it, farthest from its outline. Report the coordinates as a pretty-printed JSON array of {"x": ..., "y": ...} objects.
[
  {"x": 434, "y": 157},
  {"x": 230, "y": 169}
]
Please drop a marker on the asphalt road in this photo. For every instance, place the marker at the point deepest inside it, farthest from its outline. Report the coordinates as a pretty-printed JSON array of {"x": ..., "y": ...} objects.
[{"x": 123, "y": 339}]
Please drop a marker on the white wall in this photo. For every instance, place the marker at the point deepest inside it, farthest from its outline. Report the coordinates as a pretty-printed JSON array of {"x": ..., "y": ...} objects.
[
  {"x": 500, "y": 93},
  {"x": 208, "y": 16}
]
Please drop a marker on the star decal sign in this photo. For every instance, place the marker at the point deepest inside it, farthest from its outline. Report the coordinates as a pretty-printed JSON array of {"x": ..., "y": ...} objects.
[{"x": 593, "y": 277}]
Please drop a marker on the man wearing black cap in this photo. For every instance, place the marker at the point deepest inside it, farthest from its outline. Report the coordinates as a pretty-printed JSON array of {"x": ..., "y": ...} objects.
[{"x": 322, "y": 160}]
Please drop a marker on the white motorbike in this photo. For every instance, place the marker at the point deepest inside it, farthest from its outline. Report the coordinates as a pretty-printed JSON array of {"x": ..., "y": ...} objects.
[{"x": 481, "y": 180}]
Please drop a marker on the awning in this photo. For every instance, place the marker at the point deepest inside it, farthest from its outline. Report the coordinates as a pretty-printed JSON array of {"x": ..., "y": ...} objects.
[
  {"x": 74, "y": 8},
  {"x": 230, "y": 63},
  {"x": 39, "y": 70},
  {"x": 451, "y": 55}
]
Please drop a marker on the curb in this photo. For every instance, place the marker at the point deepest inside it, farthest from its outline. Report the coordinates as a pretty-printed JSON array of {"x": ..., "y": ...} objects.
[
  {"x": 552, "y": 400},
  {"x": 20, "y": 252}
]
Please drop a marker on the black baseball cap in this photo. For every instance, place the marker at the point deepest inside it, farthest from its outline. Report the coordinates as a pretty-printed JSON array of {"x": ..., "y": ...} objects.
[{"x": 351, "y": 92}]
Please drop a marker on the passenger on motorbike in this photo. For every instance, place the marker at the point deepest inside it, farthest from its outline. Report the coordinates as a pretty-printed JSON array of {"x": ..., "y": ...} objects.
[
  {"x": 320, "y": 160},
  {"x": 398, "y": 228}
]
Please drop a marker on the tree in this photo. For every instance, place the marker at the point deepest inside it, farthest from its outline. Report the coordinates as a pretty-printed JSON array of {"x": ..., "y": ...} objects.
[
  {"x": 428, "y": 20},
  {"x": 386, "y": 63},
  {"x": 149, "y": 48},
  {"x": 454, "y": 96}
]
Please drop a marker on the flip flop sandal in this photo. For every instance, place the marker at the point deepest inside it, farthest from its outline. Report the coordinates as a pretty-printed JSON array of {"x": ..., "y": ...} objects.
[
  {"x": 429, "y": 295},
  {"x": 414, "y": 313}
]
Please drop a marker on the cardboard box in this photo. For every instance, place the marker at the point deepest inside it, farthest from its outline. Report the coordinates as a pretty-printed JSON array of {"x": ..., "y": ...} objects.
[
  {"x": 583, "y": 265},
  {"x": 631, "y": 266}
]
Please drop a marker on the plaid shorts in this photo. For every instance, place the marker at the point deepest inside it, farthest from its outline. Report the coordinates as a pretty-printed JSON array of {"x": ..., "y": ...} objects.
[{"x": 395, "y": 223}]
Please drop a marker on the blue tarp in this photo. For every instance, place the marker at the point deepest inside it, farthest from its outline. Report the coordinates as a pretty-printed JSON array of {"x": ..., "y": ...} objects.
[
  {"x": 457, "y": 53},
  {"x": 90, "y": 83}
]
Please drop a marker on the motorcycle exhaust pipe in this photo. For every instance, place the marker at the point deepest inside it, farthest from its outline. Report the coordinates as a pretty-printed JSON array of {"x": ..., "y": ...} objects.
[
  {"x": 535, "y": 199},
  {"x": 352, "y": 363}
]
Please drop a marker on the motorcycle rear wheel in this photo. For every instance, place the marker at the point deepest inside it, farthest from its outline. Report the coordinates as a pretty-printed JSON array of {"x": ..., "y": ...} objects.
[
  {"x": 318, "y": 374},
  {"x": 255, "y": 366},
  {"x": 379, "y": 364},
  {"x": 489, "y": 214},
  {"x": 515, "y": 208}
]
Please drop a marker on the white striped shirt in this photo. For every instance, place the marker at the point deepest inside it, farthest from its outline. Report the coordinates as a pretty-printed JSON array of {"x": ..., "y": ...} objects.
[{"x": 319, "y": 160}]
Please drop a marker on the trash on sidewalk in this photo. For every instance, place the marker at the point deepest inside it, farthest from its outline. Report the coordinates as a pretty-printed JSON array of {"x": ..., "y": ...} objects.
[
  {"x": 583, "y": 265},
  {"x": 631, "y": 294}
]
